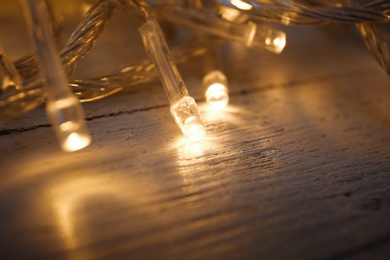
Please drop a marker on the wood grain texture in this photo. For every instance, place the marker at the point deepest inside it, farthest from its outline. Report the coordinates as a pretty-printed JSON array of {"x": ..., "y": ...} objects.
[{"x": 298, "y": 165}]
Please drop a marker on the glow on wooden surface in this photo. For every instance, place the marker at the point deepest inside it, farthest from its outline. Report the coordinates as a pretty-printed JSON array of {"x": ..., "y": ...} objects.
[{"x": 76, "y": 141}]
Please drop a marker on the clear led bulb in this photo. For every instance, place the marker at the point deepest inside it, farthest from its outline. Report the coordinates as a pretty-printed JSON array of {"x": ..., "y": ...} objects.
[
  {"x": 187, "y": 117},
  {"x": 250, "y": 34},
  {"x": 217, "y": 95},
  {"x": 66, "y": 117},
  {"x": 63, "y": 108},
  {"x": 183, "y": 107},
  {"x": 275, "y": 41}
]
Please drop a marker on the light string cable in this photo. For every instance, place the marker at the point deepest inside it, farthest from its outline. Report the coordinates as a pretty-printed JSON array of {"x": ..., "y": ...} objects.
[
  {"x": 373, "y": 37},
  {"x": 138, "y": 74},
  {"x": 29, "y": 95},
  {"x": 313, "y": 12},
  {"x": 16, "y": 97},
  {"x": 210, "y": 21},
  {"x": 183, "y": 107},
  {"x": 63, "y": 108},
  {"x": 367, "y": 15}
]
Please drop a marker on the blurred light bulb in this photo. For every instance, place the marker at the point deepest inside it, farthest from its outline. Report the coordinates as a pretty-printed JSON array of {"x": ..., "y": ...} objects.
[
  {"x": 63, "y": 108},
  {"x": 229, "y": 14},
  {"x": 241, "y": 5},
  {"x": 217, "y": 95},
  {"x": 68, "y": 123},
  {"x": 275, "y": 41},
  {"x": 232, "y": 27},
  {"x": 76, "y": 141}
]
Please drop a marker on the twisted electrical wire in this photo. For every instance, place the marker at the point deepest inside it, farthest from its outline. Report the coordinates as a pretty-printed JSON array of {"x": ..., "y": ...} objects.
[
  {"x": 376, "y": 44},
  {"x": 78, "y": 46},
  {"x": 314, "y": 13},
  {"x": 80, "y": 43}
]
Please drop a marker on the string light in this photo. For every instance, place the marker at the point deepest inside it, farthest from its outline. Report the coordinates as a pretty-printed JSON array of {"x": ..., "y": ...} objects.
[
  {"x": 215, "y": 81},
  {"x": 217, "y": 95},
  {"x": 63, "y": 108},
  {"x": 233, "y": 20},
  {"x": 183, "y": 107},
  {"x": 10, "y": 78},
  {"x": 250, "y": 34}
]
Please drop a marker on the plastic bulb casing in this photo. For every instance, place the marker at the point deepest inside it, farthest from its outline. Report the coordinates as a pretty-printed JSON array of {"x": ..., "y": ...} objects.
[
  {"x": 275, "y": 41},
  {"x": 187, "y": 117},
  {"x": 250, "y": 34},
  {"x": 66, "y": 117},
  {"x": 217, "y": 95},
  {"x": 183, "y": 107},
  {"x": 63, "y": 108}
]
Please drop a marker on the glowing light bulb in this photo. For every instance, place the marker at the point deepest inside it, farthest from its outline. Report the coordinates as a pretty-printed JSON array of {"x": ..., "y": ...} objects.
[
  {"x": 67, "y": 119},
  {"x": 217, "y": 95},
  {"x": 63, "y": 108},
  {"x": 275, "y": 41},
  {"x": 250, "y": 34},
  {"x": 241, "y": 5},
  {"x": 76, "y": 141},
  {"x": 187, "y": 117},
  {"x": 10, "y": 79},
  {"x": 183, "y": 107}
]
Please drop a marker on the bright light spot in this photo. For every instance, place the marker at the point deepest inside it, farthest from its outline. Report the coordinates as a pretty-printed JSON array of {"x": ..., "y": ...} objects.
[
  {"x": 279, "y": 43},
  {"x": 217, "y": 96},
  {"x": 76, "y": 141},
  {"x": 241, "y": 5},
  {"x": 187, "y": 117},
  {"x": 275, "y": 42},
  {"x": 193, "y": 129},
  {"x": 194, "y": 148}
]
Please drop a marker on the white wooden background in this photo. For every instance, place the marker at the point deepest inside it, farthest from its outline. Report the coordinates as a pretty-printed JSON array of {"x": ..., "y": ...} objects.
[{"x": 297, "y": 166}]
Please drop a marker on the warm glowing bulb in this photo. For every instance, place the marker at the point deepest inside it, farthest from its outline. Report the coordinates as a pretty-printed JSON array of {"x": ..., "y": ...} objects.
[
  {"x": 275, "y": 41},
  {"x": 67, "y": 119},
  {"x": 217, "y": 95},
  {"x": 63, "y": 108},
  {"x": 183, "y": 107},
  {"x": 76, "y": 141},
  {"x": 232, "y": 27},
  {"x": 187, "y": 117},
  {"x": 230, "y": 14},
  {"x": 241, "y": 5}
]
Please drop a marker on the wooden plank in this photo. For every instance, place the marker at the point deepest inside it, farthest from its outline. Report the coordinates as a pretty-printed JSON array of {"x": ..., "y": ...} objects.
[{"x": 297, "y": 166}]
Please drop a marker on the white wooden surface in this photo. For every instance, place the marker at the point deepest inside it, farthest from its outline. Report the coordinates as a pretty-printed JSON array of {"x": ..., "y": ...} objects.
[{"x": 297, "y": 165}]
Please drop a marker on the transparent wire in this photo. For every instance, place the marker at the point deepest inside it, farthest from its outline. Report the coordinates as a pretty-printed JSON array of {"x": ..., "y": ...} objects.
[
  {"x": 368, "y": 15},
  {"x": 308, "y": 12}
]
